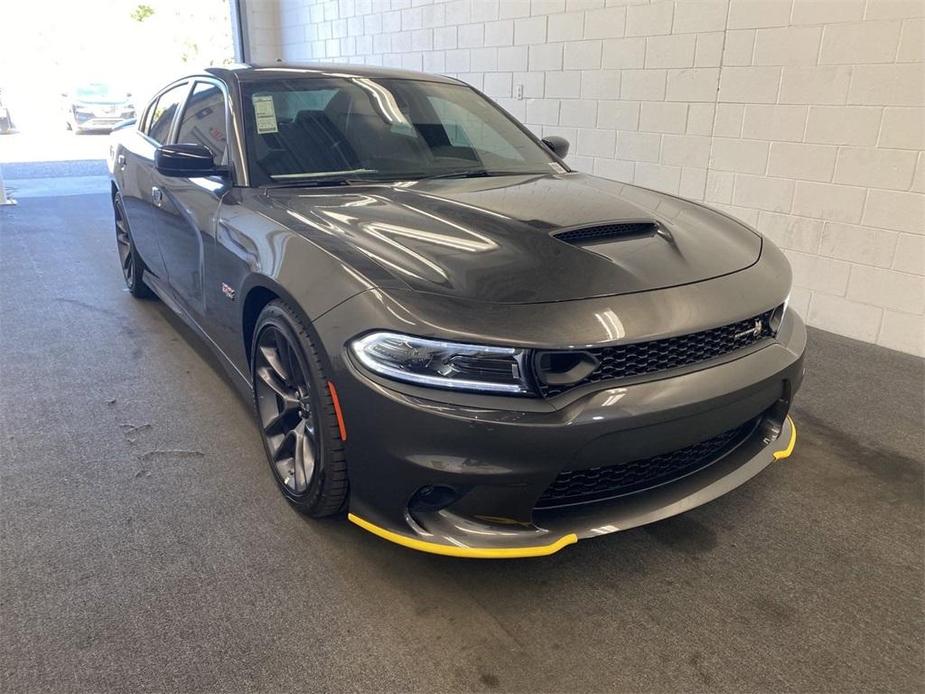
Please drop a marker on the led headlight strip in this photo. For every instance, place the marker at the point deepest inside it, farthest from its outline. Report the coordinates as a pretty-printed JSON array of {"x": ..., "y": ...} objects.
[{"x": 440, "y": 364}]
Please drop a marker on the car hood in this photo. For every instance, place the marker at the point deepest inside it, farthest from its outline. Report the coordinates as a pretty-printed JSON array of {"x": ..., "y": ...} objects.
[
  {"x": 491, "y": 239},
  {"x": 102, "y": 101}
]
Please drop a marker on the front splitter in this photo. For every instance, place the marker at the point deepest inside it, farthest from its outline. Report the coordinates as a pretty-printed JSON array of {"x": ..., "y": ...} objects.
[{"x": 602, "y": 519}]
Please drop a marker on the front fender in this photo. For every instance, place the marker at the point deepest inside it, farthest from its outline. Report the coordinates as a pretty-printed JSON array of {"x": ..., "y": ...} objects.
[{"x": 257, "y": 259}]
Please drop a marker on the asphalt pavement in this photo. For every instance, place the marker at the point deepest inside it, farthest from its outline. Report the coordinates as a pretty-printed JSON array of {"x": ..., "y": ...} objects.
[{"x": 145, "y": 548}]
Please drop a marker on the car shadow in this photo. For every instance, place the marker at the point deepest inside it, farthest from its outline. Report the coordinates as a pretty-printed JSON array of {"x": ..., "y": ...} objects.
[{"x": 202, "y": 349}]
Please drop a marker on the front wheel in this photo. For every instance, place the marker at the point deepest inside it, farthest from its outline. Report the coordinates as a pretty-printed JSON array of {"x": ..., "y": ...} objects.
[
  {"x": 295, "y": 412},
  {"x": 133, "y": 266}
]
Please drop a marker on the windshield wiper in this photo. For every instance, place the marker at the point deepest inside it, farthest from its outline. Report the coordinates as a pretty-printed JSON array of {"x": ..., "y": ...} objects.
[
  {"x": 318, "y": 182},
  {"x": 477, "y": 173},
  {"x": 344, "y": 177},
  {"x": 309, "y": 182}
]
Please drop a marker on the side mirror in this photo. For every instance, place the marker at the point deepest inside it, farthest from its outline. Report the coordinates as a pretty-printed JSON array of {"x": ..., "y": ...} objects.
[
  {"x": 558, "y": 145},
  {"x": 187, "y": 161}
]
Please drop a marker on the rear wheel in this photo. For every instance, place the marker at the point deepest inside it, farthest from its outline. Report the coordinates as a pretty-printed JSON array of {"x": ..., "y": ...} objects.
[
  {"x": 296, "y": 414},
  {"x": 133, "y": 266}
]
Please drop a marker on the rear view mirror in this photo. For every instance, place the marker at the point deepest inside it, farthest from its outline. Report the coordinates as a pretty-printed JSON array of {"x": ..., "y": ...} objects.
[
  {"x": 558, "y": 145},
  {"x": 187, "y": 161}
]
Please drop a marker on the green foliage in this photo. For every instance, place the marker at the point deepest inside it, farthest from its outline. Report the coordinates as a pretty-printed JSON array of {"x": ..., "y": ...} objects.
[
  {"x": 141, "y": 12},
  {"x": 190, "y": 51}
]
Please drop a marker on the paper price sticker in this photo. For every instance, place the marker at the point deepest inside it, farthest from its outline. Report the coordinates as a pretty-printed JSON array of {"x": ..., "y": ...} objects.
[{"x": 265, "y": 114}]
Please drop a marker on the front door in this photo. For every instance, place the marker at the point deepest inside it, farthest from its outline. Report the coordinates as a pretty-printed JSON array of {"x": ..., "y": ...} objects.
[{"x": 189, "y": 206}]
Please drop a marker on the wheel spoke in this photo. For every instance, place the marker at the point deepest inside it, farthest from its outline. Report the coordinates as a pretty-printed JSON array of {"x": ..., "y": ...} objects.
[
  {"x": 275, "y": 423},
  {"x": 285, "y": 358},
  {"x": 299, "y": 458},
  {"x": 304, "y": 457},
  {"x": 285, "y": 470},
  {"x": 309, "y": 422},
  {"x": 278, "y": 451},
  {"x": 272, "y": 358},
  {"x": 273, "y": 382}
]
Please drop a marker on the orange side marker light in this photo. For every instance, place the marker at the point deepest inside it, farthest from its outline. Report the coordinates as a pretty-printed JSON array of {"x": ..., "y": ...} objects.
[{"x": 337, "y": 412}]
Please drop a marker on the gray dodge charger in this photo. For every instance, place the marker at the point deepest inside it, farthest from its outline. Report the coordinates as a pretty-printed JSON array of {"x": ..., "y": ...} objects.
[{"x": 447, "y": 334}]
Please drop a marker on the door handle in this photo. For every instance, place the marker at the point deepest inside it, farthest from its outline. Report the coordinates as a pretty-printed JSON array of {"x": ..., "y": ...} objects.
[
  {"x": 120, "y": 160},
  {"x": 157, "y": 195}
]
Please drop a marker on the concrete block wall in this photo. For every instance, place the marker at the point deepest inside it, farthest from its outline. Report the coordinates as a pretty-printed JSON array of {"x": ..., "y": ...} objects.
[{"x": 804, "y": 118}]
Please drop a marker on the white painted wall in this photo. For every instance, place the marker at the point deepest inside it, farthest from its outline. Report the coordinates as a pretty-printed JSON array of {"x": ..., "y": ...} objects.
[{"x": 804, "y": 118}]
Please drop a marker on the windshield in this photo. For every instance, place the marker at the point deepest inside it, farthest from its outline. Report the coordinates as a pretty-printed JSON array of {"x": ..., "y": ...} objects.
[
  {"x": 100, "y": 91},
  {"x": 355, "y": 127}
]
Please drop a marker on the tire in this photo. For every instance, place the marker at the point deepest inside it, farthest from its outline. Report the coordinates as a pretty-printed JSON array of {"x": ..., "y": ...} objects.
[
  {"x": 133, "y": 267},
  {"x": 291, "y": 396}
]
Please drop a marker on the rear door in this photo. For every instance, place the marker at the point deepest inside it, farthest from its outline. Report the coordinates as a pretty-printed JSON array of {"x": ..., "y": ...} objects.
[
  {"x": 189, "y": 207},
  {"x": 140, "y": 189}
]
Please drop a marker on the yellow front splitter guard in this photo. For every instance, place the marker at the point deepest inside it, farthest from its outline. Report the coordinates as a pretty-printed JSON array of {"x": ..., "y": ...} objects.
[
  {"x": 507, "y": 552},
  {"x": 467, "y": 552},
  {"x": 785, "y": 452}
]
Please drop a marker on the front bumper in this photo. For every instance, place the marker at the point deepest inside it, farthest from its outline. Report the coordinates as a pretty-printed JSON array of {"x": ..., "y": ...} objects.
[
  {"x": 603, "y": 519},
  {"x": 500, "y": 462},
  {"x": 97, "y": 124}
]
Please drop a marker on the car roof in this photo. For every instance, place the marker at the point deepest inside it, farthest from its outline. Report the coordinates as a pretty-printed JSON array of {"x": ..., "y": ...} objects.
[{"x": 253, "y": 72}]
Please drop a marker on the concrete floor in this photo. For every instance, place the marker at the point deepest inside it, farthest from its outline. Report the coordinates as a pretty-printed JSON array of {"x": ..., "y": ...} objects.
[{"x": 144, "y": 546}]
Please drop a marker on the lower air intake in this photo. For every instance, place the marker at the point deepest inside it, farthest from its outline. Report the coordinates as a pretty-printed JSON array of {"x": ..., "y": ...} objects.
[{"x": 600, "y": 483}]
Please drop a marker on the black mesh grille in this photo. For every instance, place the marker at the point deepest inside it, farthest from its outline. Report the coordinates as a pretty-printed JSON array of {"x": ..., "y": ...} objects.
[
  {"x": 599, "y": 483},
  {"x": 606, "y": 231},
  {"x": 641, "y": 358}
]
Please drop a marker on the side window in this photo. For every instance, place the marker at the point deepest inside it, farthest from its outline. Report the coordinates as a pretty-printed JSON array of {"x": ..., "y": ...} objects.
[
  {"x": 145, "y": 122},
  {"x": 204, "y": 119},
  {"x": 162, "y": 114}
]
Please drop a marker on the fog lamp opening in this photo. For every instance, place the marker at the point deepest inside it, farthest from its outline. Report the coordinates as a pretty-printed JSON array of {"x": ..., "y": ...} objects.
[{"x": 433, "y": 498}]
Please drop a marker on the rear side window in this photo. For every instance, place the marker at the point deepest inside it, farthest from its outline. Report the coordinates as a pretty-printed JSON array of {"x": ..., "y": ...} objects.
[
  {"x": 204, "y": 121},
  {"x": 162, "y": 114}
]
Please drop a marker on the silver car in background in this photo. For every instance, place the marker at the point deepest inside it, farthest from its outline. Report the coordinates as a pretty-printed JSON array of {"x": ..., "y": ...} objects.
[{"x": 97, "y": 106}]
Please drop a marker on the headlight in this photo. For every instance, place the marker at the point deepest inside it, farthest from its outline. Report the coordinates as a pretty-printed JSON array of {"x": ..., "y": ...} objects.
[
  {"x": 441, "y": 364},
  {"x": 777, "y": 317}
]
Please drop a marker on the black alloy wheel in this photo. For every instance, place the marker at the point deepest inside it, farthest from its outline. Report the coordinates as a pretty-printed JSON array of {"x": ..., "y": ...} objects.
[
  {"x": 132, "y": 265},
  {"x": 287, "y": 414},
  {"x": 296, "y": 414}
]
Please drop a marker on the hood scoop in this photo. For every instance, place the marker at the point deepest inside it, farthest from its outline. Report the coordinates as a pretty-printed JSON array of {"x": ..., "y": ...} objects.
[{"x": 605, "y": 233}]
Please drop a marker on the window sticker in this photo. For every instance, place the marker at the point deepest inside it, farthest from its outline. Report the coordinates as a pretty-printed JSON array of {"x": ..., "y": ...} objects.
[
  {"x": 555, "y": 166},
  {"x": 265, "y": 114}
]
